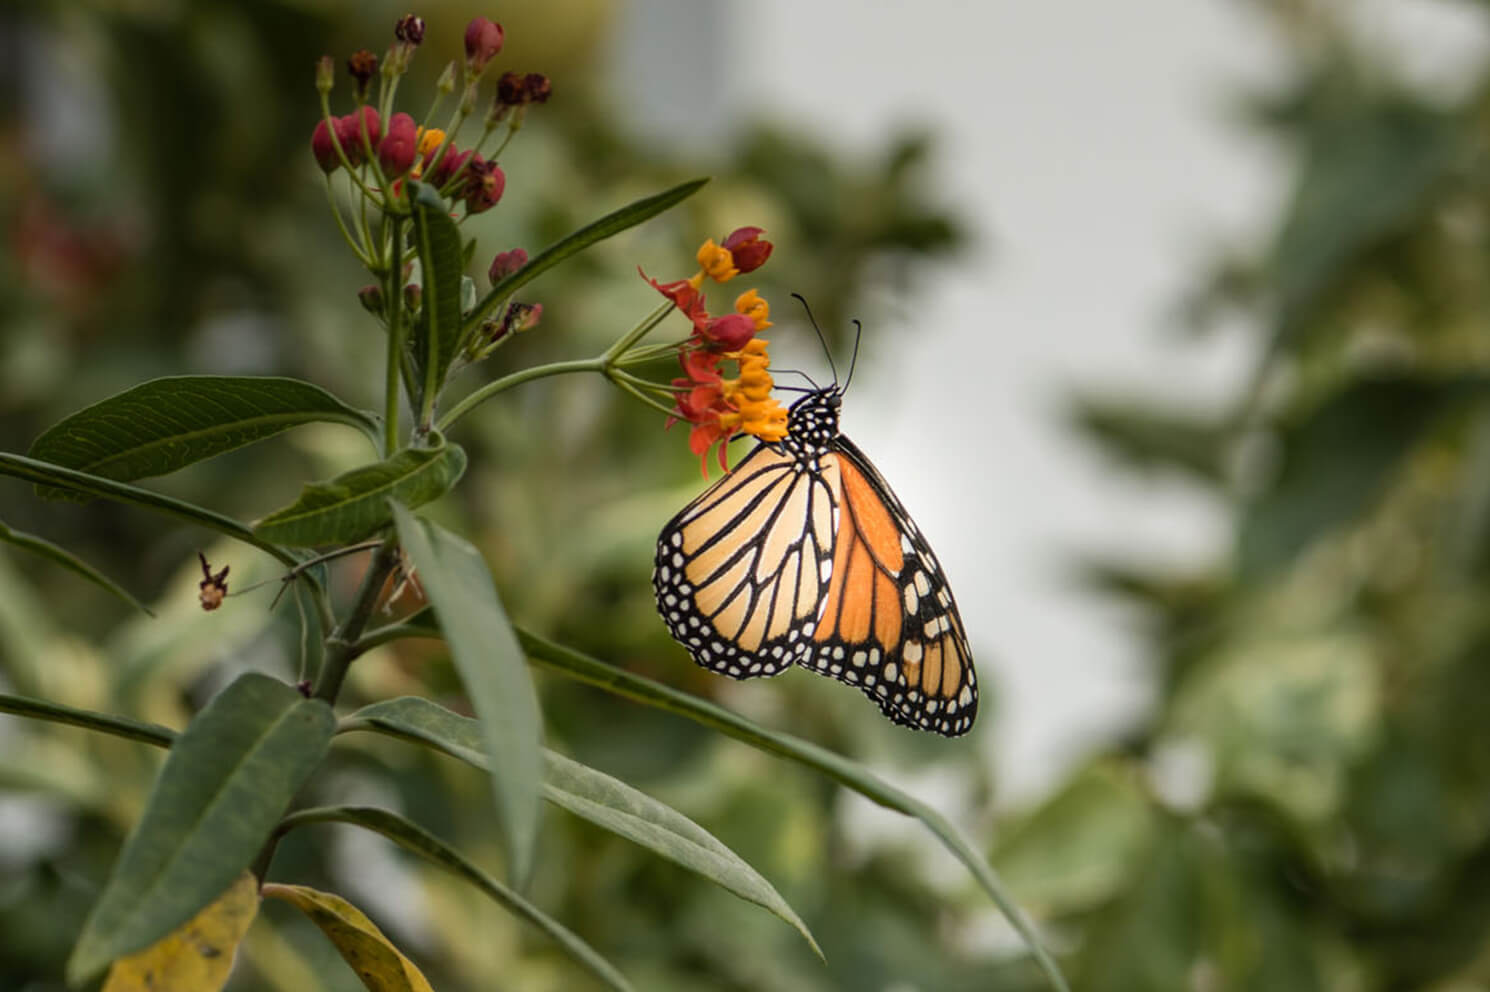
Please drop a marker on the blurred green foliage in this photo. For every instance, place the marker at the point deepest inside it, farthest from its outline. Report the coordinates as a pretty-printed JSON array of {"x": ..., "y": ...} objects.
[{"x": 1308, "y": 806}]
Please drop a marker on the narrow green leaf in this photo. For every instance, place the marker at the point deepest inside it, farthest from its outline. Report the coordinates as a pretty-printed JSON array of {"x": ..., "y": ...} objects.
[
  {"x": 416, "y": 839},
  {"x": 573, "y": 664},
  {"x": 119, "y": 726},
  {"x": 226, "y": 782},
  {"x": 47, "y": 474},
  {"x": 355, "y": 504},
  {"x": 69, "y": 561},
  {"x": 586, "y": 792},
  {"x": 611, "y": 224},
  {"x": 493, "y": 670},
  {"x": 166, "y": 424},
  {"x": 437, "y": 332}
]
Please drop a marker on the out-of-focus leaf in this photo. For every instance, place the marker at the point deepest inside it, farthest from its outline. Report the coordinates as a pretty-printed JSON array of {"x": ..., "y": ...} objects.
[
  {"x": 416, "y": 839},
  {"x": 228, "y": 779},
  {"x": 611, "y": 224},
  {"x": 1082, "y": 845},
  {"x": 164, "y": 425},
  {"x": 198, "y": 955},
  {"x": 47, "y": 474},
  {"x": 1148, "y": 439},
  {"x": 593, "y": 795},
  {"x": 119, "y": 726},
  {"x": 1284, "y": 718},
  {"x": 492, "y": 668},
  {"x": 381, "y": 966},
  {"x": 1338, "y": 459},
  {"x": 1368, "y": 173},
  {"x": 437, "y": 332},
  {"x": 69, "y": 561},
  {"x": 355, "y": 504}
]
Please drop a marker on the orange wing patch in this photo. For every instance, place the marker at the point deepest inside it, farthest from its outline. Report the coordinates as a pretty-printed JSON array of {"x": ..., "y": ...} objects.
[{"x": 862, "y": 599}]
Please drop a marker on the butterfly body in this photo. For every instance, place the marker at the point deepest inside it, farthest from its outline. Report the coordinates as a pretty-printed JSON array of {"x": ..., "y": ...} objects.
[{"x": 802, "y": 555}]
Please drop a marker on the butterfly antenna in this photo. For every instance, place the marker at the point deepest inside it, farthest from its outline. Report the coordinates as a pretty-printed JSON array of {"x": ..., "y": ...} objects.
[
  {"x": 854, "y": 360},
  {"x": 797, "y": 372},
  {"x": 826, "y": 350}
]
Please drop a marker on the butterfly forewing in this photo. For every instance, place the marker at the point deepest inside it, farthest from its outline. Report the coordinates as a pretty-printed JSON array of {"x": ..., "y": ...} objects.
[{"x": 740, "y": 572}]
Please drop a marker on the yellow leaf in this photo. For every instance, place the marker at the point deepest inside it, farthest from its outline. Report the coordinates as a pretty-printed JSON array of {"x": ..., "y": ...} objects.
[
  {"x": 372, "y": 956},
  {"x": 198, "y": 955}
]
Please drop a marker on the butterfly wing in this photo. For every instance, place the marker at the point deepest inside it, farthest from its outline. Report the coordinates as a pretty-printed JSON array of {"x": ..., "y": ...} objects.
[
  {"x": 742, "y": 570},
  {"x": 888, "y": 622}
]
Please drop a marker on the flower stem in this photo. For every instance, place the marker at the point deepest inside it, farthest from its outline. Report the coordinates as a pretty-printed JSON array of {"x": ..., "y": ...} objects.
[
  {"x": 491, "y": 389},
  {"x": 638, "y": 332},
  {"x": 341, "y": 646}
]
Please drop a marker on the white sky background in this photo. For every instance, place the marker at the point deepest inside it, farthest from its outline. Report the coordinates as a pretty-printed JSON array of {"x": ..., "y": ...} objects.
[{"x": 1088, "y": 147}]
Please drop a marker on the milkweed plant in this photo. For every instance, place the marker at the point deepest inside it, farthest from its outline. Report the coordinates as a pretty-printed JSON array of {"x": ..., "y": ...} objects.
[{"x": 190, "y": 876}]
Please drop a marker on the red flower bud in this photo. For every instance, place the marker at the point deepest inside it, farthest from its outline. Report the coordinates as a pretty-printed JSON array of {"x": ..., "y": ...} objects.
[
  {"x": 399, "y": 146},
  {"x": 448, "y": 167},
  {"x": 730, "y": 332},
  {"x": 349, "y": 133},
  {"x": 322, "y": 148},
  {"x": 506, "y": 263},
  {"x": 483, "y": 42},
  {"x": 521, "y": 317},
  {"x": 371, "y": 298},
  {"x": 747, "y": 249},
  {"x": 485, "y": 185}
]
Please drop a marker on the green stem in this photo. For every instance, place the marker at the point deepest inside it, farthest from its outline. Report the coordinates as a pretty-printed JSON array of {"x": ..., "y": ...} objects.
[
  {"x": 342, "y": 647},
  {"x": 358, "y": 250},
  {"x": 393, "y": 305},
  {"x": 491, "y": 389},
  {"x": 628, "y": 387},
  {"x": 638, "y": 332}
]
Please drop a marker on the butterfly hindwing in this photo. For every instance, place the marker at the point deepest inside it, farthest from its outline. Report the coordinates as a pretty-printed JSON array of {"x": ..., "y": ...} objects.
[
  {"x": 740, "y": 571},
  {"x": 889, "y": 624}
]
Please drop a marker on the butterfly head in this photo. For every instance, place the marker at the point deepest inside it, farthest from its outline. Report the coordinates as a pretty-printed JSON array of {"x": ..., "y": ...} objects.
[{"x": 812, "y": 421}]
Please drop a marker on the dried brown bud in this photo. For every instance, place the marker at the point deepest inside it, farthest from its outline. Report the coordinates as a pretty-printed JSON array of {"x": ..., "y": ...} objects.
[
  {"x": 409, "y": 29},
  {"x": 213, "y": 588},
  {"x": 363, "y": 66}
]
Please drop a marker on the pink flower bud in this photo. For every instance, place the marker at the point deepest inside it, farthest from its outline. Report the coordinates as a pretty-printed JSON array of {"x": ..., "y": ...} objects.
[
  {"x": 322, "y": 148},
  {"x": 506, "y": 263},
  {"x": 747, "y": 249},
  {"x": 399, "y": 146},
  {"x": 448, "y": 166},
  {"x": 483, "y": 42},
  {"x": 485, "y": 186},
  {"x": 349, "y": 133}
]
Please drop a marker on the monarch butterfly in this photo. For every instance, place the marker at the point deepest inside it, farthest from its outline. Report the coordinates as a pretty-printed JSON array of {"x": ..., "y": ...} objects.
[{"x": 802, "y": 555}]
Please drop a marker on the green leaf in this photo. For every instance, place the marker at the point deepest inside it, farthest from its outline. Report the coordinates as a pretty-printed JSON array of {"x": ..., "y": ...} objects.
[
  {"x": 47, "y": 474},
  {"x": 605, "y": 801},
  {"x": 437, "y": 332},
  {"x": 416, "y": 839},
  {"x": 611, "y": 224},
  {"x": 492, "y": 668},
  {"x": 70, "y": 562},
  {"x": 166, "y": 424},
  {"x": 226, "y": 782},
  {"x": 355, "y": 504},
  {"x": 1146, "y": 438},
  {"x": 1338, "y": 459},
  {"x": 119, "y": 726},
  {"x": 573, "y": 664}
]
